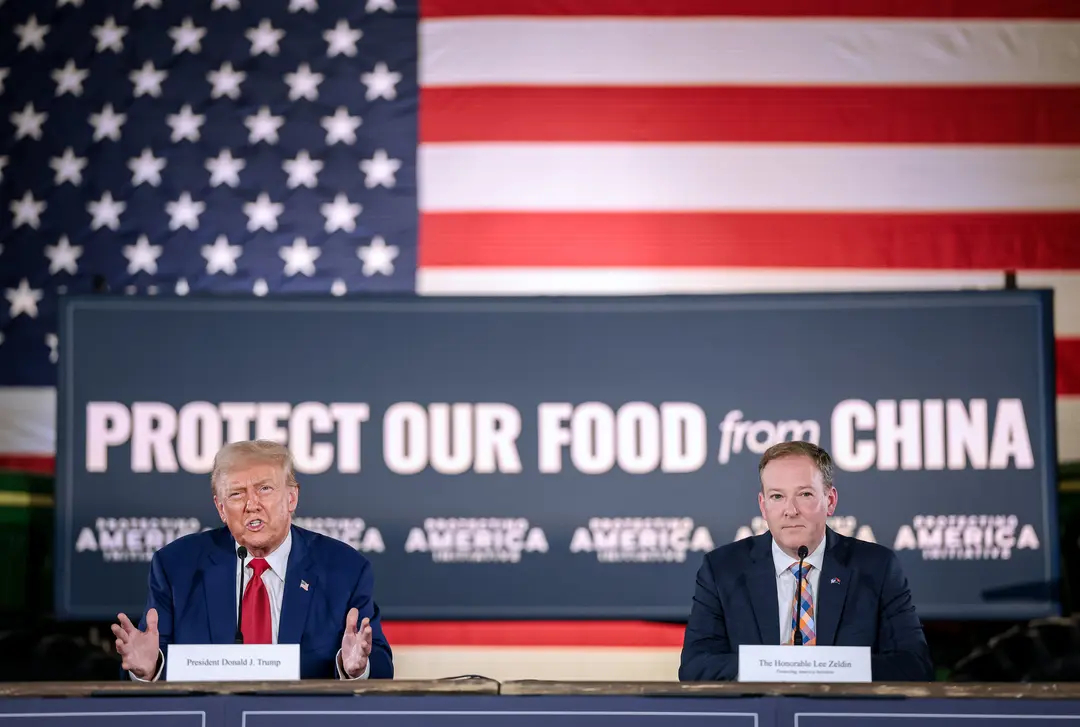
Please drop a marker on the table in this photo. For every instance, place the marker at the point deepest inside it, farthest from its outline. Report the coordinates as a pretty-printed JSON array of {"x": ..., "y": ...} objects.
[{"x": 479, "y": 702}]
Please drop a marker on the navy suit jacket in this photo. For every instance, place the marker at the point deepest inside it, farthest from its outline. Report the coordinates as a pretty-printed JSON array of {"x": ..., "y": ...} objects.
[
  {"x": 193, "y": 586},
  {"x": 735, "y": 602}
]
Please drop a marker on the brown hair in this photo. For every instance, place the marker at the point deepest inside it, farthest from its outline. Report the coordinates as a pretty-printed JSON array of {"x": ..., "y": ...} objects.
[
  {"x": 261, "y": 451},
  {"x": 799, "y": 448}
]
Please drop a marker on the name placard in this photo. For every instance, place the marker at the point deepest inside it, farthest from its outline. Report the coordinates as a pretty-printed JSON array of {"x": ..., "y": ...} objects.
[
  {"x": 786, "y": 663},
  {"x": 232, "y": 662}
]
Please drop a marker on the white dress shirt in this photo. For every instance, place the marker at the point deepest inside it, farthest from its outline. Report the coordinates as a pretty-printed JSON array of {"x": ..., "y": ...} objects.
[
  {"x": 786, "y": 583},
  {"x": 274, "y": 580}
]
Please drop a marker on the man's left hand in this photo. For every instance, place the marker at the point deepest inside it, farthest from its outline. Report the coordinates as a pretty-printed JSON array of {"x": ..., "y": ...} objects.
[{"x": 355, "y": 644}]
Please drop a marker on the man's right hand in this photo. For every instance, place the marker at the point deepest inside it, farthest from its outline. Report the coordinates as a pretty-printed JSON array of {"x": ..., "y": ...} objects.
[{"x": 138, "y": 649}]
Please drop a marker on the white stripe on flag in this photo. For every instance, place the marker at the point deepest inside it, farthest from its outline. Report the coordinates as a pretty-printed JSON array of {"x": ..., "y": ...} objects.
[
  {"x": 744, "y": 177},
  {"x": 27, "y": 420},
  {"x": 647, "y": 51},
  {"x": 1066, "y": 287},
  {"x": 673, "y": 281}
]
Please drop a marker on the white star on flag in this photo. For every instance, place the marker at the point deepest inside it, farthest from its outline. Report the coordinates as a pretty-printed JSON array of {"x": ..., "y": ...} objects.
[
  {"x": 63, "y": 256},
  {"x": 107, "y": 124},
  {"x": 221, "y": 256},
  {"x": 338, "y": 287},
  {"x": 387, "y": 5},
  {"x": 52, "y": 341},
  {"x": 62, "y": 3},
  {"x": 146, "y": 168},
  {"x": 182, "y": 287},
  {"x": 226, "y": 81},
  {"x": 155, "y": 4},
  {"x": 27, "y": 211},
  {"x": 27, "y": 122},
  {"x": 296, "y": 6},
  {"x": 31, "y": 35},
  {"x": 341, "y": 127},
  {"x": 342, "y": 39},
  {"x": 142, "y": 256},
  {"x": 186, "y": 124},
  {"x": 226, "y": 5},
  {"x": 224, "y": 169},
  {"x": 263, "y": 126},
  {"x": 187, "y": 37},
  {"x": 69, "y": 79},
  {"x": 23, "y": 299},
  {"x": 3, "y": 163},
  {"x": 260, "y": 288},
  {"x": 302, "y": 171},
  {"x": 3, "y": 75},
  {"x": 262, "y": 213},
  {"x": 68, "y": 168},
  {"x": 380, "y": 169},
  {"x": 184, "y": 212},
  {"x": 106, "y": 212},
  {"x": 147, "y": 80},
  {"x": 264, "y": 39},
  {"x": 380, "y": 82},
  {"x": 299, "y": 258},
  {"x": 303, "y": 83},
  {"x": 110, "y": 36},
  {"x": 340, "y": 214},
  {"x": 378, "y": 257}
]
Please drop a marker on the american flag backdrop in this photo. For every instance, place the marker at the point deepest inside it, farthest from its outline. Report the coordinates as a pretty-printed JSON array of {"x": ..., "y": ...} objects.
[{"x": 269, "y": 147}]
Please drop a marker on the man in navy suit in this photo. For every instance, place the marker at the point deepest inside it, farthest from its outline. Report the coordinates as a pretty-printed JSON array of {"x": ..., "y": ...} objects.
[
  {"x": 855, "y": 592},
  {"x": 300, "y": 587}
]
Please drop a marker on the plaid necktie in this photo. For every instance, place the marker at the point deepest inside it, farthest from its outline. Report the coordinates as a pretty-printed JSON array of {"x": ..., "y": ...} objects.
[{"x": 803, "y": 616}]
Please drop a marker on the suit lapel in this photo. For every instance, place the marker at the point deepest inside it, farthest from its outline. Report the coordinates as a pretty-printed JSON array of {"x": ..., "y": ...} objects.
[
  {"x": 297, "y": 600},
  {"x": 219, "y": 576},
  {"x": 832, "y": 588},
  {"x": 761, "y": 582}
]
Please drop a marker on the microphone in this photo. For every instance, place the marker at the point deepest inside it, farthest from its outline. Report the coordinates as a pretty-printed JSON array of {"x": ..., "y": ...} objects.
[
  {"x": 803, "y": 552},
  {"x": 241, "y": 553}
]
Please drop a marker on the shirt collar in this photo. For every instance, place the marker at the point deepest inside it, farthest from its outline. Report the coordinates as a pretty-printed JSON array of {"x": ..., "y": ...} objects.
[
  {"x": 782, "y": 561},
  {"x": 278, "y": 560}
]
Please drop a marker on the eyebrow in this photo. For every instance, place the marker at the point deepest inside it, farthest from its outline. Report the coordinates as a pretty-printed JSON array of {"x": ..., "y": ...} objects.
[{"x": 237, "y": 488}]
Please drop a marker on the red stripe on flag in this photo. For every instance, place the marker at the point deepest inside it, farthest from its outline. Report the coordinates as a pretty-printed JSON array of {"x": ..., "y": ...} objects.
[
  {"x": 884, "y": 241},
  {"x": 1068, "y": 366},
  {"x": 757, "y": 8},
  {"x": 533, "y": 633},
  {"x": 40, "y": 464},
  {"x": 803, "y": 114}
]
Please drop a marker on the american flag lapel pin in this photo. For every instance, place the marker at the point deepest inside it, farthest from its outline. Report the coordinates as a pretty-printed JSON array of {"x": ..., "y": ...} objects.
[
  {"x": 304, "y": 585},
  {"x": 835, "y": 580}
]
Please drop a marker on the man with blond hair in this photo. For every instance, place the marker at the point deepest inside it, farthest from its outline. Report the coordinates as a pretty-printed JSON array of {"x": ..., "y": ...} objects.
[
  {"x": 853, "y": 593},
  {"x": 300, "y": 587}
]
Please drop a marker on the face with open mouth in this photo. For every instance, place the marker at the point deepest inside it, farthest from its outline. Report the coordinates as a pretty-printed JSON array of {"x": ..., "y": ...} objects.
[{"x": 257, "y": 505}]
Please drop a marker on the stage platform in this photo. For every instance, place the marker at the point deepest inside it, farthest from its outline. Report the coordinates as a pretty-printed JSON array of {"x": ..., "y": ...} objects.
[{"x": 479, "y": 702}]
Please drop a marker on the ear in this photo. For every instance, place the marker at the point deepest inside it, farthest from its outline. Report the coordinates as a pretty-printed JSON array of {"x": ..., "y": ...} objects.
[
  {"x": 294, "y": 497},
  {"x": 220, "y": 507},
  {"x": 832, "y": 498},
  {"x": 761, "y": 504}
]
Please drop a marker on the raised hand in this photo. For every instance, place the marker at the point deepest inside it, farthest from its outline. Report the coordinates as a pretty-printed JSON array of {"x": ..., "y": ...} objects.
[
  {"x": 138, "y": 649},
  {"x": 355, "y": 644}
]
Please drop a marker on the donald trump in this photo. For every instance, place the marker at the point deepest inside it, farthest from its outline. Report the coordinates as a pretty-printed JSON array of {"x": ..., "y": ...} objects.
[{"x": 300, "y": 587}]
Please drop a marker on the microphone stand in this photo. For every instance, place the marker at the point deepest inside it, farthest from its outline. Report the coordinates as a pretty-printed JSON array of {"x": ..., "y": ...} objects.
[
  {"x": 241, "y": 553},
  {"x": 803, "y": 552}
]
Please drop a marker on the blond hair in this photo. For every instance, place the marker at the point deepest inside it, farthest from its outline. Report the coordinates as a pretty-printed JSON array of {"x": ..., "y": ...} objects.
[
  {"x": 799, "y": 448},
  {"x": 259, "y": 451}
]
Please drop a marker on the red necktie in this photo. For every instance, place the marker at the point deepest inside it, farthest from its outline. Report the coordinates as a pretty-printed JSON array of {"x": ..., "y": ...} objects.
[{"x": 256, "y": 619}]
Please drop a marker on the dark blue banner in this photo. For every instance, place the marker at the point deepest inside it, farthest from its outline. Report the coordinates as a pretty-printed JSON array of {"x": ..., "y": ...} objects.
[
  {"x": 959, "y": 712},
  {"x": 500, "y": 711},
  {"x": 130, "y": 711},
  {"x": 502, "y": 458}
]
